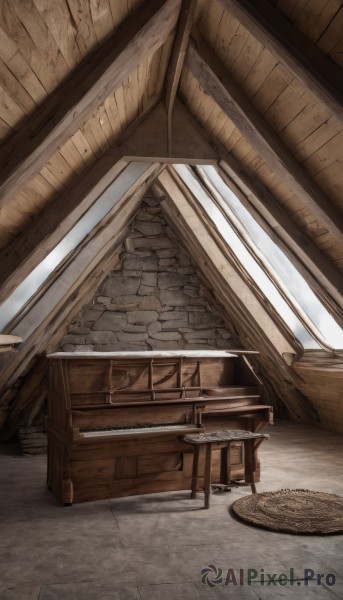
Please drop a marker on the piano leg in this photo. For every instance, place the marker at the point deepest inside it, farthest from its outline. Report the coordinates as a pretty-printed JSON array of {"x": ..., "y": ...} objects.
[
  {"x": 67, "y": 492},
  {"x": 250, "y": 455}
]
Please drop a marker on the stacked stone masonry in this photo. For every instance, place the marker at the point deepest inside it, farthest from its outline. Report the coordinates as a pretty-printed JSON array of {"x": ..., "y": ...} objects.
[{"x": 153, "y": 300}]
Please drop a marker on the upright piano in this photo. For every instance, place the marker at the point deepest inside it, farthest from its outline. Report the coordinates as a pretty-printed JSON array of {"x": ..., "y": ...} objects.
[{"x": 116, "y": 421}]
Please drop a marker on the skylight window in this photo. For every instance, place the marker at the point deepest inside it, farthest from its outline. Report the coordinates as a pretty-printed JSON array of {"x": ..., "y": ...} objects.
[
  {"x": 277, "y": 263},
  {"x": 240, "y": 223},
  {"x": 30, "y": 285}
]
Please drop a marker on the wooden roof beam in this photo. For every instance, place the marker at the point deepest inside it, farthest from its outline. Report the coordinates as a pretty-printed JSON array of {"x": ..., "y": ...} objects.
[
  {"x": 70, "y": 105},
  {"x": 177, "y": 59},
  {"x": 144, "y": 140},
  {"x": 256, "y": 327},
  {"x": 129, "y": 179},
  {"x": 49, "y": 312},
  {"x": 300, "y": 248},
  {"x": 216, "y": 81},
  {"x": 270, "y": 27}
]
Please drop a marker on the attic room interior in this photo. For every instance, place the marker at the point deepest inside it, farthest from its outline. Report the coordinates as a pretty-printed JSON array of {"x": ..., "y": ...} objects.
[{"x": 171, "y": 300}]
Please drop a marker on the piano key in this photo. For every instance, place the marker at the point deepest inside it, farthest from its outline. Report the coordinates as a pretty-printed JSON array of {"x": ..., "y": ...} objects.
[{"x": 103, "y": 432}]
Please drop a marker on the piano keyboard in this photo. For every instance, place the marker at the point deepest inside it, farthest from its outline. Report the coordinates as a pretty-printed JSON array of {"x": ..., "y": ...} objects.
[{"x": 109, "y": 431}]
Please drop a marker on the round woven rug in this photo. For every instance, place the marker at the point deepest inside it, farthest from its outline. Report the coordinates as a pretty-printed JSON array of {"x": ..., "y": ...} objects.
[{"x": 292, "y": 511}]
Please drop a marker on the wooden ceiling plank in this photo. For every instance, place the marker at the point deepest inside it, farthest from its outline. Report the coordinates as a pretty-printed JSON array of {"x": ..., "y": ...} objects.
[
  {"x": 5, "y": 130},
  {"x": 317, "y": 139},
  {"x": 262, "y": 68},
  {"x": 246, "y": 60},
  {"x": 15, "y": 89},
  {"x": 214, "y": 78},
  {"x": 316, "y": 17},
  {"x": 83, "y": 147},
  {"x": 152, "y": 81},
  {"x": 144, "y": 32},
  {"x": 27, "y": 24},
  {"x": 305, "y": 123},
  {"x": 95, "y": 133},
  {"x": 111, "y": 109},
  {"x": 102, "y": 19},
  {"x": 25, "y": 252},
  {"x": 331, "y": 40},
  {"x": 86, "y": 37},
  {"x": 12, "y": 29},
  {"x": 20, "y": 68},
  {"x": 60, "y": 23},
  {"x": 51, "y": 178},
  {"x": 273, "y": 86},
  {"x": 72, "y": 156},
  {"x": 286, "y": 107},
  {"x": 177, "y": 58},
  {"x": 10, "y": 112},
  {"x": 223, "y": 34},
  {"x": 305, "y": 61}
]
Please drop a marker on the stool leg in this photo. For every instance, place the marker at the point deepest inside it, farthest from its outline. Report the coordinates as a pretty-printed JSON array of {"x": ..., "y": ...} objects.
[
  {"x": 207, "y": 482},
  {"x": 250, "y": 464},
  {"x": 196, "y": 452},
  {"x": 225, "y": 465}
]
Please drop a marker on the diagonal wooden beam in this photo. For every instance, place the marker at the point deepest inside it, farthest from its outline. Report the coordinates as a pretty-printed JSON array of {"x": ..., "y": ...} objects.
[
  {"x": 50, "y": 310},
  {"x": 130, "y": 178},
  {"x": 214, "y": 78},
  {"x": 20, "y": 257},
  {"x": 177, "y": 59},
  {"x": 66, "y": 110},
  {"x": 300, "y": 249},
  {"x": 143, "y": 139},
  {"x": 255, "y": 326},
  {"x": 304, "y": 60}
]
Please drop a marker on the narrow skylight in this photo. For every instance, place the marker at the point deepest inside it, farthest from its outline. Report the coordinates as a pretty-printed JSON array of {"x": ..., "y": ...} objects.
[
  {"x": 30, "y": 285},
  {"x": 286, "y": 275},
  {"x": 277, "y": 262}
]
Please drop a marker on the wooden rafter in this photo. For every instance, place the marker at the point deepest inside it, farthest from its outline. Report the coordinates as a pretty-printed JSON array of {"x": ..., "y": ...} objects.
[
  {"x": 144, "y": 139},
  {"x": 177, "y": 60},
  {"x": 305, "y": 61},
  {"x": 127, "y": 183},
  {"x": 214, "y": 78},
  {"x": 49, "y": 312},
  {"x": 218, "y": 254},
  {"x": 257, "y": 198},
  {"x": 230, "y": 288},
  {"x": 75, "y": 100}
]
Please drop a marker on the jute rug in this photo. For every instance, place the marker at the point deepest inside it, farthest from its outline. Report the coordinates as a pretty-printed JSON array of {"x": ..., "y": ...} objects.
[{"x": 292, "y": 511}]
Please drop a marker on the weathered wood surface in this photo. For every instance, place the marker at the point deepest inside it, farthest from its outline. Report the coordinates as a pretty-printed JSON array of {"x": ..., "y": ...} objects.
[
  {"x": 305, "y": 60},
  {"x": 206, "y": 67},
  {"x": 220, "y": 275},
  {"x": 322, "y": 382},
  {"x": 87, "y": 468},
  {"x": 150, "y": 140},
  {"x": 177, "y": 59},
  {"x": 266, "y": 209},
  {"x": 49, "y": 313},
  {"x": 28, "y": 150}
]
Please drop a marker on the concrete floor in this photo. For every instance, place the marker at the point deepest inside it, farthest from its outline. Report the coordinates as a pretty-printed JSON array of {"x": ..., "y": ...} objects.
[{"x": 153, "y": 547}]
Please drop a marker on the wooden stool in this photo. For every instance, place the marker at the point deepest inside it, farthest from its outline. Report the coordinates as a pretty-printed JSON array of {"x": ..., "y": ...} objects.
[{"x": 222, "y": 439}]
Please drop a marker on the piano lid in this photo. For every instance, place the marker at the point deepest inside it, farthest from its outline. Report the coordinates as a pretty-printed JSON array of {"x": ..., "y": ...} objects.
[{"x": 154, "y": 354}]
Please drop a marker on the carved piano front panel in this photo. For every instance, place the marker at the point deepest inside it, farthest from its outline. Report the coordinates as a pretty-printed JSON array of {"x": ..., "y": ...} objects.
[{"x": 115, "y": 421}]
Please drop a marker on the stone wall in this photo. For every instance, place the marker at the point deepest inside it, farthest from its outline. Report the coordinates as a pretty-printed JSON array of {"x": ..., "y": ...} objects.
[{"x": 154, "y": 300}]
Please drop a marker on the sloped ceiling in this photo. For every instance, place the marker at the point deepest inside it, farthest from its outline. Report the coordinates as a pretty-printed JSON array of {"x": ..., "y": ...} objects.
[{"x": 87, "y": 87}]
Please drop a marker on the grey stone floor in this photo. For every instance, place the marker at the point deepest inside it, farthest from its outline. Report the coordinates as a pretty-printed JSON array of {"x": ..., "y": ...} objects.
[{"x": 153, "y": 547}]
